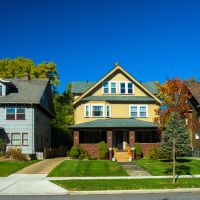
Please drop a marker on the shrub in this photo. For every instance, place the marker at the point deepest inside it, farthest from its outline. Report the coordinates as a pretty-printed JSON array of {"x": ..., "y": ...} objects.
[
  {"x": 83, "y": 154},
  {"x": 75, "y": 152},
  {"x": 103, "y": 150},
  {"x": 2, "y": 147},
  {"x": 16, "y": 154},
  {"x": 152, "y": 154},
  {"x": 138, "y": 151}
]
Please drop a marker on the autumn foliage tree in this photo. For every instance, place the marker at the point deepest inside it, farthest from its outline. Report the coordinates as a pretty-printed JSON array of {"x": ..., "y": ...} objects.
[{"x": 168, "y": 92}]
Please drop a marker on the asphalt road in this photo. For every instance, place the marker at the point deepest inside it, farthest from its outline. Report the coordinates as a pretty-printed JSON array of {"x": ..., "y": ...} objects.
[{"x": 178, "y": 196}]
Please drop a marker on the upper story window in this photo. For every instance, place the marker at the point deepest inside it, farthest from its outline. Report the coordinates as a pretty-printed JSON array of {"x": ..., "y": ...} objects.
[
  {"x": 113, "y": 87},
  {"x": 87, "y": 110},
  {"x": 15, "y": 113},
  {"x": 126, "y": 88},
  {"x": 97, "y": 110},
  {"x": 1, "y": 90},
  {"x": 105, "y": 87},
  {"x": 108, "y": 110},
  {"x": 138, "y": 111}
]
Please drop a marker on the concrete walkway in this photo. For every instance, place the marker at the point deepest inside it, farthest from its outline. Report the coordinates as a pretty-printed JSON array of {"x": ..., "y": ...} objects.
[
  {"x": 134, "y": 170},
  {"x": 32, "y": 180}
]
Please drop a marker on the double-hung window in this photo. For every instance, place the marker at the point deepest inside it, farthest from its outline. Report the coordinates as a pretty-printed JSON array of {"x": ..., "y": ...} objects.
[
  {"x": 97, "y": 110},
  {"x": 10, "y": 113},
  {"x": 87, "y": 110},
  {"x": 130, "y": 88},
  {"x": 25, "y": 139},
  {"x": 138, "y": 111},
  {"x": 113, "y": 87},
  {"x": 108, "y": 110},
  {"x": 15, "y": 113},
  {"x": 105, "y": 87},
  {"x": 15, "y": 139},
  {"x": 123, "y": 88}
]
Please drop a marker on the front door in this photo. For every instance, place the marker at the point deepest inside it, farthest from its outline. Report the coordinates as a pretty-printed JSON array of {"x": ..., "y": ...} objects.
[{"x": 119, "y": 139}]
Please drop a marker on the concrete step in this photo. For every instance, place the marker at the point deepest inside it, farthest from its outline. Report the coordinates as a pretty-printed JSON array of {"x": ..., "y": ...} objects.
[{"x": 122, "y": 157}]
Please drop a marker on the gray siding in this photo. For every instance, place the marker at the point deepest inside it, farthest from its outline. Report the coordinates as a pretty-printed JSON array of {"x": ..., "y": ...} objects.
[
  {"x": 20, "y": 126},
  {"x": 42, "y": 130}
]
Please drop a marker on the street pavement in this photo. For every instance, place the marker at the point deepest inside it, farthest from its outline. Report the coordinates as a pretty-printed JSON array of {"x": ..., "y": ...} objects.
[{"x": 178, "y": 196}]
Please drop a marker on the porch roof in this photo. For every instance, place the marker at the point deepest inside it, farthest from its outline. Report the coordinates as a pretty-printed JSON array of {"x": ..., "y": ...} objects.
[
  {"x": 116, "y": 123},
  {"x": 119, "y": 98}
]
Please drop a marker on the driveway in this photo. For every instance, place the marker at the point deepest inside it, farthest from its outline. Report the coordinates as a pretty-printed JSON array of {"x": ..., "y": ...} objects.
[{"x": 32, "y": 180}]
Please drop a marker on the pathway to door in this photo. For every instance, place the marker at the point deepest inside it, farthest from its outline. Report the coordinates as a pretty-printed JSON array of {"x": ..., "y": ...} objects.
[
  {"x": 134, "y": 170},
  {"x": 32, "y": 180}
]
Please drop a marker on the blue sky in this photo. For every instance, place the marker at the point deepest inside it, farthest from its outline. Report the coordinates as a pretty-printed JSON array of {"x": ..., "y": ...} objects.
[{"x": 151, "y": 39}]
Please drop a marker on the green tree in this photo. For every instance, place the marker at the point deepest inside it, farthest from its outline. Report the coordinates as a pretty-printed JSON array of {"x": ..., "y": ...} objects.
[
  {"x": 20, "y": 67},
  {"x": 175, "y": 129},
  {"x": 64, "y": 117}
]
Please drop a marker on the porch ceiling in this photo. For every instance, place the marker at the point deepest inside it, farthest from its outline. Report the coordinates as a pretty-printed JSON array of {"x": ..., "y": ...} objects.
[{"x": 116, "y": 123}]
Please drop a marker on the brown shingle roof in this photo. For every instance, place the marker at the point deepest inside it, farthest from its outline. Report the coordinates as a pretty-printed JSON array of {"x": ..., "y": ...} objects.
[{"x": 194, "y": 88}]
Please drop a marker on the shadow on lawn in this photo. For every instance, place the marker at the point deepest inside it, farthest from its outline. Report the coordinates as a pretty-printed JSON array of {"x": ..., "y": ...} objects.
[{"x": 180, "y": 170}]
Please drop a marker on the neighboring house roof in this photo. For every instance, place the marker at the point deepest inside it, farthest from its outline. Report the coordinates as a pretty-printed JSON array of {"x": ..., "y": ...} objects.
[
  {"x": 119, "y": 98},
  {"x": 194, "y": 88},
  {"x": 80, "y": 87},
  {"x": 116, "y": 68},
  {"x": 27, "y": 92},
  {"x": 115, "y": 123}
]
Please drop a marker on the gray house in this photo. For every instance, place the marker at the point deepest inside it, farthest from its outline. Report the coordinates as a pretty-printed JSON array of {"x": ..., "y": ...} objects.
[{"x": 26, "y": 110}]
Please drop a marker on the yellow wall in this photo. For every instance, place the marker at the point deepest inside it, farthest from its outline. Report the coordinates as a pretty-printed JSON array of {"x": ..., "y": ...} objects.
[{"x": 118, "y": 110}]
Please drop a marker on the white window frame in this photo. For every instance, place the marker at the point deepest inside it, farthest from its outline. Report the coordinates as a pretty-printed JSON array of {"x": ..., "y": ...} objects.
[
  {"x": 15, "y": 108},
  {"x": 85, "y": 110},
  {"x": 126, "y": 87},
  {"x": 104, "y": 87},
  {"x": 20, "y": 139},
  {"x": 97, "y": 105},
  {"x": 138, "y": 110},
  {"x": 108, "y": 105},
  {"x": 110, "y": 89}
]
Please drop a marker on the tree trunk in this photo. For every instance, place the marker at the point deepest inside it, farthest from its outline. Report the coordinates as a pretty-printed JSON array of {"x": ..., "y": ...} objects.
[{"x": 174, "y": 160}]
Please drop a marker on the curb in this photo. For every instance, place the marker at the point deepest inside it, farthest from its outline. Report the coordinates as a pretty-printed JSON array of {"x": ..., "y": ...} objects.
[{"x": 153, "y": 191}]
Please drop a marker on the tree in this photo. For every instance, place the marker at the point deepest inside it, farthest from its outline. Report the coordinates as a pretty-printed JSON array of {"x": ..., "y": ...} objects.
[
  {"x": 20, "y": 67},
  {"x": 64, "y": 117},
  {"x": 175, "y": 128},
  {"x": 174, "y": 95}
]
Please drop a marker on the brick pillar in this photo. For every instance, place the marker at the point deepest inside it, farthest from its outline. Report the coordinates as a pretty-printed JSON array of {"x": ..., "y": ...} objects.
[
  {"x": 109, "y": 143},
  {"x": 76, "y": 137},
  {"x": 132, "y": 143}
]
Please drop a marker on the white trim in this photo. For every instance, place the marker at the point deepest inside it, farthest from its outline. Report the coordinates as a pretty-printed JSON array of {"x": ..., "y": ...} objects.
[
  {"x": 15, "y": 108},
  {"x": 138, "y": 110},
  {"x": 98, "y": 105},
  {"x": 108, "y": 105},
  {"x": 126, "y": 87},
  {"x": 88, "y": 110}
]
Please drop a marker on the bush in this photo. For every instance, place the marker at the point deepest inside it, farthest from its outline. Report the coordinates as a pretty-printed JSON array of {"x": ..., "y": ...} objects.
[
  {"x": 2, "y": 147},
  {"x": 103, "y": 150},
  {"x": 83, "y": 154},
  {"x": 75, "y": 152},
  {"x": 152, "y": 154},
  {"x": 16, "y": 154},
  {"x": 138, "y": 151}
]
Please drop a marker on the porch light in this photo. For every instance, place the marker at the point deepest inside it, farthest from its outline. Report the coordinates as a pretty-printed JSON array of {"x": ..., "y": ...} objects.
[{"x": 132, "y": 148}]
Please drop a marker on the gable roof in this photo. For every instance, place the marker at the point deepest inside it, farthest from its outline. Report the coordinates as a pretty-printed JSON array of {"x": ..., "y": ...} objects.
[
  {"x": 194, "y": 88},
  {"x": 26, "y": 92},
  {"x": 117, "y": 67},
  {"x": 79, "y": 87}
]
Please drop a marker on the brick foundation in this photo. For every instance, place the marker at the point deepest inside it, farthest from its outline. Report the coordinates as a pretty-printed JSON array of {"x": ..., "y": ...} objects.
[
  {"x": 92, "y": 149},
  {"x": 146, "y": 146}
]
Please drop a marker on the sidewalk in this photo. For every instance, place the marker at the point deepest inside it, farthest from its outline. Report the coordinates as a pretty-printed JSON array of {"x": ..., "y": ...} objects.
[
  {"x": 32, "y": 180},
  {"x": 118, "y": 177}
]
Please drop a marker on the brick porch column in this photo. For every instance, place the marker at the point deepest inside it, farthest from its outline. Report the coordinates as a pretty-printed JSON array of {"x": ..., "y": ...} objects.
[
  {"x": 110, "y": 143},
  {"x": 132, "y": 142},
  {"x": 76, "y": 137}
]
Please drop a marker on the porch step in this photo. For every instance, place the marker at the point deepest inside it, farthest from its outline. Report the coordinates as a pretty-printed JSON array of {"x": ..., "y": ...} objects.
[{"x": 122, "y": 156}]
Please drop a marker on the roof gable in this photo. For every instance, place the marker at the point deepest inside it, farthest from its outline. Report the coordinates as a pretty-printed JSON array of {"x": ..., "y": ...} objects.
[{"x": 117, "y": 68}]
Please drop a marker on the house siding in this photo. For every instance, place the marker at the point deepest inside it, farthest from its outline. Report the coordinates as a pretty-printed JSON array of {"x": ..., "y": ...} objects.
[{"x": 20, "y": 126}]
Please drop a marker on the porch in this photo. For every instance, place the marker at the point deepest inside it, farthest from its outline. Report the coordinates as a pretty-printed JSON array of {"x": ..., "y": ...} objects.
[{"x": 120, "y": 136}]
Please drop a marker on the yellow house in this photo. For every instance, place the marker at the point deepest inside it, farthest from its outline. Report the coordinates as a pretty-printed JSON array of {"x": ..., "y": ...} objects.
[{"x": 117, "y": 109}]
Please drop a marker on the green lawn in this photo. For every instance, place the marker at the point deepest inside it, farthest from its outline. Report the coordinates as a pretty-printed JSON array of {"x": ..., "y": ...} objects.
[
  {"x": 164, "y": 167},
  {"x": 10, "y": 167},
  {"x": 128, "y": 184},
  {"x": 88, "y": 168}
]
